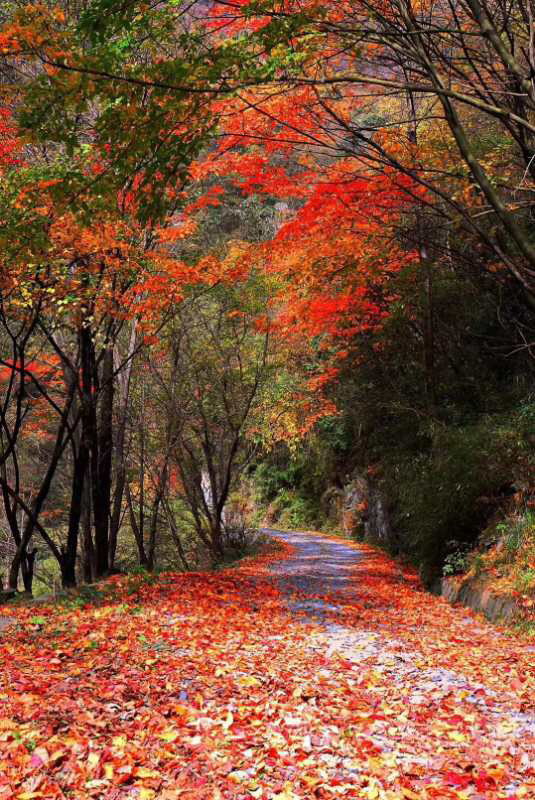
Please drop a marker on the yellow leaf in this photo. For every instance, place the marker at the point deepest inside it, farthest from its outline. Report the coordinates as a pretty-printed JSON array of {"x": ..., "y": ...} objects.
[
  {"x": 42, "y": 753},
  {"x": 143, "y": 772},
  {"x": 248, "y": 681},
  {"x": 28, "y": 795},
  {"x": 409, "y": 794},
  {"x": 169, "y": 736}
]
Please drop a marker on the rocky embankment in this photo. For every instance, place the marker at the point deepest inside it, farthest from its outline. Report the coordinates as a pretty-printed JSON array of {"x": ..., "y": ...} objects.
[
  {"x": 362, "y": 511},
  {"x": 479, "y": 596}
]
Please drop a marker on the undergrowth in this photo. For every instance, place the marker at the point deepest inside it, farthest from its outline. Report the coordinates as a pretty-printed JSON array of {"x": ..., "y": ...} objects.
[{"x": 505, "y": 558}]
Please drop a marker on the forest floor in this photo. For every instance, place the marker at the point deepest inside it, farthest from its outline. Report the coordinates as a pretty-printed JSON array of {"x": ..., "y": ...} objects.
[{"x": 317, "y": 670}]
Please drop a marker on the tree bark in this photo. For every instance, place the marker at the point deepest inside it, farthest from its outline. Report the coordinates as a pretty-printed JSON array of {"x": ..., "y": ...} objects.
[
  {"x": 138, "y": 535},
  {"x": 124, "y": 373},
  {"x": 88, "y": 562},
  {"x": 102, "y": 466}
]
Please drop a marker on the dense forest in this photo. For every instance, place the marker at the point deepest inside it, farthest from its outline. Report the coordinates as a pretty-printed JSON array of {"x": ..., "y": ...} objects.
[{"x": 266, "y": 262}]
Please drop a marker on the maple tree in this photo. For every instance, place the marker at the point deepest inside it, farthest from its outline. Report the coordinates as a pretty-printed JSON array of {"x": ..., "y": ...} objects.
[
  {"x": 67, "y": 292},
  {"x": 374, "y": 79},
  {"x": 336, "y": 137},
  {"x": 256, "y": 253},
  {"x": 76, "y": 277}
]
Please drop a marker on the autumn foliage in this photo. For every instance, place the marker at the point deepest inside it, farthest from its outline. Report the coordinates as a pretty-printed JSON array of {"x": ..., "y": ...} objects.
[{"x": 256, "y": 253}]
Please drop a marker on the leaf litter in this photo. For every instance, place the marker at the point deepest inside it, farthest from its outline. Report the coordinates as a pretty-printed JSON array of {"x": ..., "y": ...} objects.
[{"x": 267, "y": 681}]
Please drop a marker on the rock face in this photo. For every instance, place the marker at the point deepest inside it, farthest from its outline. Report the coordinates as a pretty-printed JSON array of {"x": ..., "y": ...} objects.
[
  {"x": 378, "y": 528},
  {"x": 474, "y": 594},
  {"x": 332, "y": 503},
  {"x": 365, "y": 512}
]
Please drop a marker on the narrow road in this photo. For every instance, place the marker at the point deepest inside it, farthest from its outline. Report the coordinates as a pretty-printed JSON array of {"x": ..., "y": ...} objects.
[
  {"x": 432, "y": 686},
  {"x": 319, "y": 565},
  {"x": 319, "y": 568}
]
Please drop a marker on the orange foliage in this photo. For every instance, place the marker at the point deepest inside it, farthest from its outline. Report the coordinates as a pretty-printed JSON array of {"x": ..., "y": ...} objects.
[{"x": 334, "y": 256}]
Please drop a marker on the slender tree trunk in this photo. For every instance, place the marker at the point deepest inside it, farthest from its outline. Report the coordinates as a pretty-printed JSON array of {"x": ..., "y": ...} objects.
[
  {"x": 429, "y": 341},
  {"x": 158, "y": 500},
  {"x": 153, "y": 532},
  {"x": 142, "y": 468},
  {"x": 216, "y": 535},
  {"x": 14, "y": 567},
  {"x": 174, "y": 532},
  {"x": 100, "y": 489},
  {"x": 32, "y": 514},
  {"x": 88, "y": 562},
  {"x": 77, "y": 508},
  {"x": 68, "y": 571},
  {"x": 124, "y": 372},
  {"x": 115, "y": 522},
  {"x": 138, "y": 536},
  {"x": 27, "y": 565},
  {"x": 10, "y": 510},
  {"x": 13, "y": 575},
  {"x": 425, "y": 265},
  {"x": 102, "y": 456}
]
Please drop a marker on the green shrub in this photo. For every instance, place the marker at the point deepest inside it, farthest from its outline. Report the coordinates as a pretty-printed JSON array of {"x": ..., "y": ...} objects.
[
  {"x": 525, "y": 580},
  {"x": 455, "y": 563},
  {"x": 290, "y": 510},
  {"x": 271, "y": 479},
  {"x": 516, "y": 532}
]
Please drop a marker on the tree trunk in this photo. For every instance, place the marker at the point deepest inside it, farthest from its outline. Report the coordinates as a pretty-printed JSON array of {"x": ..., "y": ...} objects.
[
  {"x": 115, "y": 521},
  {"x": 28, "y": 564},
  {"x": 216, "y": 535},
  {"x": 174, "y": 533},
  {"x": 153, "y": 531},
  {"x": 23, "y": 562},
  {"x": 32, "y": 513},
  {"x": 88, "y": 560},
  {"x": 429, "y": 341},
  {"x": 141, "y": 527},
  {"x": 13, "y": 575},
  {"x": 68, "y": 571},
  {"x": 78, "y": 495},
  {"x": 138, "y": 534},
  {"x": 124, "y": 372},
  {"x": 102, "y": 456}
]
